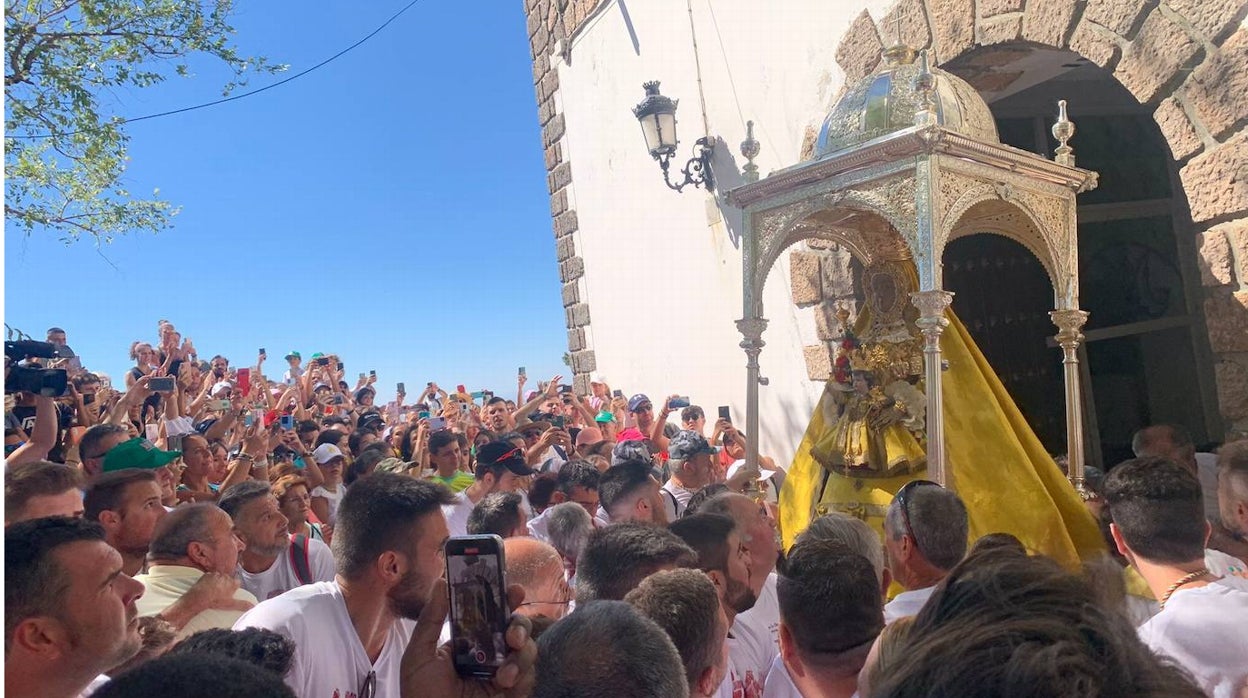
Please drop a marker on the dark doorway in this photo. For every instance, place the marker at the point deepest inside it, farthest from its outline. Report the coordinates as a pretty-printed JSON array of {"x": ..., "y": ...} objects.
[{"x": 1146, "y": 358}]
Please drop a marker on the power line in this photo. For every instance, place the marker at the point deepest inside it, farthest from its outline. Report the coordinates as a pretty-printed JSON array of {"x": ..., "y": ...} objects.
[{"x": 232, "y": 98}]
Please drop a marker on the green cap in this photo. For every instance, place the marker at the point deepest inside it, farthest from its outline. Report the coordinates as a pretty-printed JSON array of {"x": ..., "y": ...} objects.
[
  {"x": 605, "y": 416},
  {"x": 317, "y": 355},
  {"x": 293, "y": 353},
  {"x": 138, "y": 453}
]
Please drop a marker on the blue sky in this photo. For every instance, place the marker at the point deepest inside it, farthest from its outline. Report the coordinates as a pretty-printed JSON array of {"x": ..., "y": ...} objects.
[{"x": 390, "y": 207}]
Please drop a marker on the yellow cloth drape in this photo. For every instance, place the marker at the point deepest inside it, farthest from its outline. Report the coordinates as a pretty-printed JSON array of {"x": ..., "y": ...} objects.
[{"x": 994, "y": 462}]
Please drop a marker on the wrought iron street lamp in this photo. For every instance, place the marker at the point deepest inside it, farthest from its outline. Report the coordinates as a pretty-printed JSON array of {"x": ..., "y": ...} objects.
[{"x": 657, "y": 116}]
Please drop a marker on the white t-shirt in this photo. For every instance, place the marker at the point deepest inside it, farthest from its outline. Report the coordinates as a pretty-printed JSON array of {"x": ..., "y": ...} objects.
[
  {"x": 758, "y": 629},
  {"x": 907, "y": 603},
  {"x": 281, "y": 577},
  {"x": 329, "y": 658},
  {"x": 675, "y": 499},
  {"x": 333, "y": 498},
  {"x": 779, "y": 684},
  {"x": 1207, "y": 473},
  {"x": 457, "y": 514},
  {"x": 1233, "y": 571},
  {"x": 1205, "y": 629}
]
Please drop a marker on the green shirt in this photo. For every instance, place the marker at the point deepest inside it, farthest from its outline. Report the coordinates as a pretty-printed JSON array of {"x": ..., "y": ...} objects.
[{"x": 457, "y": 482}]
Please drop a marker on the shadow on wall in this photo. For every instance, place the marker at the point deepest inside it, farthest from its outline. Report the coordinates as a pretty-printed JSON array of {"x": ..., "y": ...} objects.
[
  {"x": 728, "y": 177},
  {"x": 786, "y": 425}
]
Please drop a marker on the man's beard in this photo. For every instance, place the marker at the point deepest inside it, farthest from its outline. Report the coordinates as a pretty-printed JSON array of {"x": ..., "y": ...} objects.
[
  {"x": 409, "y": 596},
  {"x": 741, "y": 597}
]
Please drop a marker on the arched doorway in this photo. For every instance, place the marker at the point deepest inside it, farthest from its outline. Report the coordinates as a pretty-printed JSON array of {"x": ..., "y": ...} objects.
[{"x": 1146, "y": 358}]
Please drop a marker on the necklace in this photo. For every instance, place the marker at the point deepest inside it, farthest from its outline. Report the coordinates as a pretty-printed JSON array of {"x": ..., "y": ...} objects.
[{"x": 1185, "y": 579}]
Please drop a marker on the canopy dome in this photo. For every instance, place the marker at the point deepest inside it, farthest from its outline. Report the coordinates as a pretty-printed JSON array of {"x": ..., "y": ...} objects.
[{"x": 886, "y": 101}]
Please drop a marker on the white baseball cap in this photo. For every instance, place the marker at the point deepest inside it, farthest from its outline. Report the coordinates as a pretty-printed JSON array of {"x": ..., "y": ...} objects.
[{"x": 326, "y": 452}]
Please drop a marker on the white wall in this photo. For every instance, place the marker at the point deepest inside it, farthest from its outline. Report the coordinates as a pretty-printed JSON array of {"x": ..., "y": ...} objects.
[{"x": 663, "y": 270}]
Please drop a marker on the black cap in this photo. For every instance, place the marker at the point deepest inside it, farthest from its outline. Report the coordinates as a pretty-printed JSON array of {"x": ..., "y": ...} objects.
[{"x": 504, "y": 453}]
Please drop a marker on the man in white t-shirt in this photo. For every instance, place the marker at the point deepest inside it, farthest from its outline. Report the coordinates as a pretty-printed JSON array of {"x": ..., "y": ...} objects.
[
  {"x": 925, "y": 533},
  {"x": 500, "y": 464},
  {"x": 690, "y": 459},
  {"x": 1159, "y": 526},
  {"x": 724, "y": 557},
  {"x": 272, "y": 563},
  {"x": 830, "y": 613},
  {"x": 378, "y": 622}
]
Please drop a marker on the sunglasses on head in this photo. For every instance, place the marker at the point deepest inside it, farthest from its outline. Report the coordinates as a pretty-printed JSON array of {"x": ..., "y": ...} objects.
[
  {"x": 513, "y": 453},
  {"x": 903, "y": 503}
]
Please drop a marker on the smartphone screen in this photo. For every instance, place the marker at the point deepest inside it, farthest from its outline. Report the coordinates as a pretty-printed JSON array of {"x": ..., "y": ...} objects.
[
  {"x": 724, "y": 413},
  {"x": 263, "y": 352},
  {"x": 436, "y": 423},
  {"x": 521, "y": 371},
  {"x": 288, "y": 421},
  {"x": 401, "y": 388},
  {"x": 372, "y": 372},
  {"x": 161, "y": 384},
  {"x": 559, "y": 422},
  {"x": 244, "y": 381},
  {"x": 475, "y": 574},
  {"x": 617, "y": 393}
]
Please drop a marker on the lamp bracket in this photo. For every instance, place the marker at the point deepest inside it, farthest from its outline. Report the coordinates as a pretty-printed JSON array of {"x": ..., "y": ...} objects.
[{"x": 697, "y": 171}]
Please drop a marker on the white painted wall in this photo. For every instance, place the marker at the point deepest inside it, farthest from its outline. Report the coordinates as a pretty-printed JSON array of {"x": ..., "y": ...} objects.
[{"x": 663, "y": 270}]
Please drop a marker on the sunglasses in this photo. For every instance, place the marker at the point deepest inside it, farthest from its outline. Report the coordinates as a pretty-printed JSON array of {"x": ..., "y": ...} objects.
[
  {"x": 903, "y": 503},
  {"x": 513, "y": 453}
]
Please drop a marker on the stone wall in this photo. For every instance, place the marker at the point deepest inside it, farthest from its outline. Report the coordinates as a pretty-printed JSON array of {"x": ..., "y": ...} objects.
[
  {"x": 1188, "y": 60},
  {"x": 550, "y": 24}
]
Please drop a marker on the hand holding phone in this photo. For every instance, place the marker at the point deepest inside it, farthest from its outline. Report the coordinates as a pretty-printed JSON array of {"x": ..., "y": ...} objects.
[
  {"x": 401, "y": 390},
  {"x": 724, "y": 413},
  {"x": 477, "y": 581},
  {"x": 161, "y": 384}
]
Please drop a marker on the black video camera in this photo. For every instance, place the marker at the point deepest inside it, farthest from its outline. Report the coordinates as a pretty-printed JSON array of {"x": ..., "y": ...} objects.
[{"x": 48, "y": 382}]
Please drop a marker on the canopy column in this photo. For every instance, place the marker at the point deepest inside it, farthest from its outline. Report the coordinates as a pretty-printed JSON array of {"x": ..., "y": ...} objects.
[
  {"x": 932, "y": 322},
  {"x": 752, "y": 329},
  {"x": 1069, "y": 335}
]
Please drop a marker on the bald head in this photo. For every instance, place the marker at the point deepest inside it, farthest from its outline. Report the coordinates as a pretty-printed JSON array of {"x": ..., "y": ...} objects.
[
  {"x": 1169, "y": 441},
  {"x": 538, "y": 568}
]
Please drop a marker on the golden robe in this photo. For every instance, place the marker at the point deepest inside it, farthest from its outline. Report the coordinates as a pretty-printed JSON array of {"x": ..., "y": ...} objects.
[{"x": 994, "y": 462}]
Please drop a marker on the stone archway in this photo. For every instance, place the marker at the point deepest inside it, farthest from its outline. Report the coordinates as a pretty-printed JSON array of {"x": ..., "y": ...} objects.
[{"x": 1185, "y": 59}]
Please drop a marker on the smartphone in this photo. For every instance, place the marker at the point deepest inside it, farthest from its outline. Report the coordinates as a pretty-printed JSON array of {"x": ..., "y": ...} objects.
[
  {"x": 244, "y": 381},
  {"x": 221, "y": 405},
  {"x": 372, "y": 372},
  {"x": 521, "y": 371},
  {"x": 337, "y": 399},
  {"x": 174, "y": 443},
  {"x": 436, "y": 423},
  {"x": 288, "y": 421},
  {"x": 362, "y": 374},
  {"x": 163, "y": 384},
  {"x": 559, "y": 421},
  {"x": 249, "y": 419},
  {"x": 477, "y": 580},
  {"x": 263, "y": 352},
  {"x": 460, "y": 389},
  {"x": 422, "y": 415},
  {"x": 402, "y": 389},
  {"x": 151, "y": 431},
  {"x": 477, "y": 395},
  {"x": 565, "y": 389},
  {"x": 339, "y": 365},
  {"x": 724, "y": 413},
  {"x": 617, "y": 393},
  {"x": 322, "y": 361},
  {"x": 676, "y": 402}
]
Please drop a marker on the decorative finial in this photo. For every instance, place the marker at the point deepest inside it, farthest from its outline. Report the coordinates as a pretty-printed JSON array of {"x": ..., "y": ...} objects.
[
  {"x": 750, "y": 148},
  {"x": 1063, "y": 131},
  {"x": 899, "y": 53},
  {"x": 925, "y": 87}
]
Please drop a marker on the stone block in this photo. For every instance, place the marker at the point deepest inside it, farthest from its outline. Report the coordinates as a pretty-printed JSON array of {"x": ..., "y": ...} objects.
[
  {"x": 1154, "y": 61},
  {"x": 1226, "y": 316},
  {"x": 532, "y": 23},
  {"x": 836, "y": 274},
  {"x": 805, "y": 278},
  {"x": 1095, "y": 44},
  {"x": 571, "y": 294},
  {"x": 1212, "y": 18},
  {"x": 953, "y": 27},
  {"x": 1237, "y": 236},
  {"x": 1232, "y": 381},
  {"x": 539, "y": 42},
  {"x": 566, "y": 224},
  {"x": 1118, "y": 16},
  {"x": 545, "y": 109},
  {"x": 584, "y": 361},
  {"x": 1178, "y": 129},
  {"x": 914, "y": 30},
  {"x": 549, "y": 85},
  {"x": 577, "y": 315},
  {"x": 859, "y": 50},
  {"x": 1216, "y": 182},
  {"x": 576, "y": 339},
  {"x": 558, "y": 202},
  {"x": 553, "y": 130},
  {"x": 565, "y": 247},
  {"x": 571, "y": 269},
  {"x": 1218, "y": 88},
  {"x": 818, "y": 362},
  {"x": 998, "y": 30},
  {"x": 553, "y": 156},
  {"x": 992, "y": 8},
  {"x": 559, "y": 177},
  {"x": 1048, "y": 21},
  {"x": 1214, "y": 258},
  {"x": 541, "y": 64}
]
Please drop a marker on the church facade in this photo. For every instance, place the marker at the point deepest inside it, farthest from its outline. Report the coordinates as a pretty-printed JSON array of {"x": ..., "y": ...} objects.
[{"x": 652, "y": 277}]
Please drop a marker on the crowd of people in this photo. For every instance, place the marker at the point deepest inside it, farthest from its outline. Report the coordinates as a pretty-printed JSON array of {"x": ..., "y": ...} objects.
[{"x": 206, "y": 529}]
